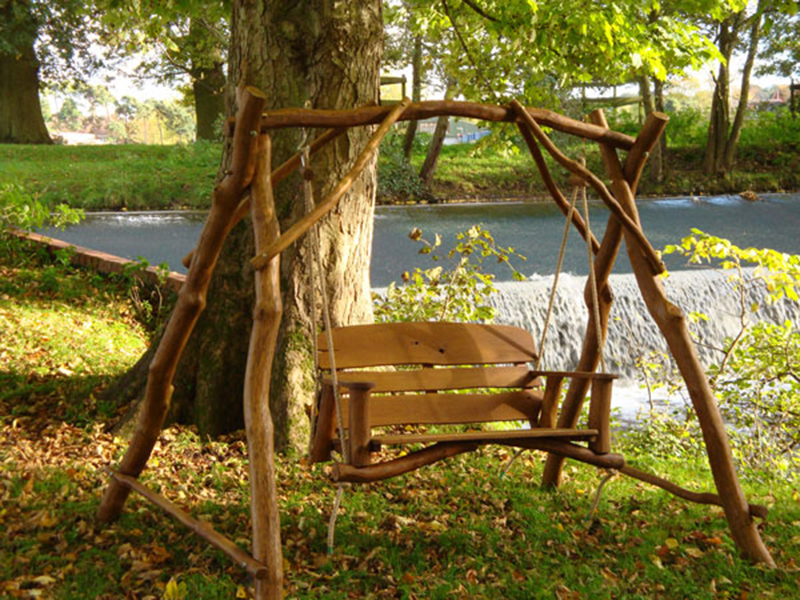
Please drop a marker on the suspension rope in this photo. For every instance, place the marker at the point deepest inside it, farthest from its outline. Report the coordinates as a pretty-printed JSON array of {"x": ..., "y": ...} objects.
[
  {"x": 312, "y": 293},
  {"x": 319, "y": 277},
  {"x": 559, "y": 264},
  {"x": 593, "y": 286},
  {"x": 551, "y": 300}
]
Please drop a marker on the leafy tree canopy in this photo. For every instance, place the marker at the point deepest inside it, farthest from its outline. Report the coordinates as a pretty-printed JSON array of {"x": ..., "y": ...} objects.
[
  {"x": 61, "y": 31},
  {"x": 171, "y": 39},
  {"x": 519, "y": 46}
]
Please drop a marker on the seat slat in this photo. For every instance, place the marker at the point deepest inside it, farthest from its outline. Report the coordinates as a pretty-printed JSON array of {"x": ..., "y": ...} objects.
[
  {"x": 445, "y": 379},
  {"x": 488, "y": 436},
  {"x": 450, "y": 409},
  {"x": 427, "y": 343}
]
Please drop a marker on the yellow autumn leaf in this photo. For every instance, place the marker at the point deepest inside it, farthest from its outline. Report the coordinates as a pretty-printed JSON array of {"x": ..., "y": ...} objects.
[
  {"x": 694, "y": 552},
  {"x": 174, "y": 590},
  {"x": 671, "y": 543}
]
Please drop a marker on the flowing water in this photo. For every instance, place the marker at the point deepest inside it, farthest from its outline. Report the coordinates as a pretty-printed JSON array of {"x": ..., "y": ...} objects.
[{"x": 535, "y": 231}]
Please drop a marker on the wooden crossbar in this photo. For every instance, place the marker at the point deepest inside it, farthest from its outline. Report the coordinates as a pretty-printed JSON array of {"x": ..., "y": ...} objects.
[
  {"x": 574, "y": 167},
  {"x": 204, "y": 530},
  {"x": 373, "y": 115}
]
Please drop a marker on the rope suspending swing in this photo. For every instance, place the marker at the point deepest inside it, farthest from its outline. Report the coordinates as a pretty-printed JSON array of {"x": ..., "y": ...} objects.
[{"x": 318, "y": 277}]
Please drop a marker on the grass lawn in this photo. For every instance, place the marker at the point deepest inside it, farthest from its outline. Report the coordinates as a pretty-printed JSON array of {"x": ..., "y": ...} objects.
[
  {"x": 453, "y": 530},
  {"x": 138, "y": 177},
  {"x": 132, "y": 177}
]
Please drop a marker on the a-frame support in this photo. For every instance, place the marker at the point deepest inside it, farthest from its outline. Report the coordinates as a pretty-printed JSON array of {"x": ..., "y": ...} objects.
[
  {"x": 672, "y": 324},
  {"x": 248, "y": 189}
]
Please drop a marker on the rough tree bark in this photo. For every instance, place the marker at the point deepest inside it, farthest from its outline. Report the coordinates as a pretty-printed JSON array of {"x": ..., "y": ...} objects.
[
  {"x": 327, "y": 53},
  {"x": 21, "y": 120},
  {"x": 434, "y": 149},
  {"x": 416, "y": 95},
  {"x": 656, "y": 156},
  {"x": 722, "y": 136},
  {"x": 208, "y": 82}
]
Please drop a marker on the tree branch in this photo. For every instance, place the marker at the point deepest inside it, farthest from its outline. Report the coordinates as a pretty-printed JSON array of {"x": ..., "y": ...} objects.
[{"x": 480, "y": 11}]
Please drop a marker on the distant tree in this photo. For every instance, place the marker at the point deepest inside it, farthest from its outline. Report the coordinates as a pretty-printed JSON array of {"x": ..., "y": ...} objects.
[
  {"x": 176, "y": 42},
  {"x": 178, "y": 119},
  {"x": 780, "y": 54},
  {"x": 40, "y": 40},
  {"x": 739, "y": 30},
  {"x": 69, "y": 117},
  {"x": 127, "y": 109}
]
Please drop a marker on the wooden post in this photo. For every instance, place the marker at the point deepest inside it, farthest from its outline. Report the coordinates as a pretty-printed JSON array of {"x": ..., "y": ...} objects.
[
  {"x": 603, "y": 264},
  {"x": 320, "y": 450},
  {"x": 360, "y": 431},
  {"x": 191, "y": 302},
  {"x": 672, "y": 325},
  {"x": 600, "y": 414},
  {"x": 257, "y": 416},
  {"x": 552, "y": 389}
]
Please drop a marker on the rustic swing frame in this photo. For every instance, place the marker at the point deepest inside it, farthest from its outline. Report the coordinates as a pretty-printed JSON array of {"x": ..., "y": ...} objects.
[{"x": 247, "y": 189}]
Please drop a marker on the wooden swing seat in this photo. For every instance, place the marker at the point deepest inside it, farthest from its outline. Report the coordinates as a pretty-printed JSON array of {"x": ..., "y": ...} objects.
[{"x": 445, "y": 374}]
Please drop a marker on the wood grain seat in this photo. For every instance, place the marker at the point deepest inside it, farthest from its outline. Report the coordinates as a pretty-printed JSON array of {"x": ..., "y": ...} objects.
[{"x": 444, "y": 374}]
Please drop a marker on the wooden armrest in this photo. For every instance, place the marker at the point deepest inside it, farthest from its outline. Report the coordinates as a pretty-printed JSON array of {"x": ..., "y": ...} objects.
[
  {"x": 600, "y": 415},
  {"x": 576, "y": 374}
]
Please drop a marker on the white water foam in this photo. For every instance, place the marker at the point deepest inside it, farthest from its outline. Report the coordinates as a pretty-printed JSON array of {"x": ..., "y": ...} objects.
[{"x": 632, "y": 331}]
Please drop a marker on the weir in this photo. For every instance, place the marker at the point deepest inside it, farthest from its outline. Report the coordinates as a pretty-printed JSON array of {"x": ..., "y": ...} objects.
[{"x": 636, "y": 335}]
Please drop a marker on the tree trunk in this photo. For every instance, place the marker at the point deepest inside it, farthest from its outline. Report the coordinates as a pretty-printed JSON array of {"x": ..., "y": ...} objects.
[
  {"x": 741, "y": 109},
  {"x": 21, "y": 120},
  {"x": 658, "y": 94},
  {"x": 719, "y": 121},
  {"x": 208, "y": 84},
  {"x": 294, "y": 51},
  {"x": 416, "y": 95},
  {"x": 656, "y": 164},
  {"x": 432, "y": 157},
  {"x": 208, "y": 87}
]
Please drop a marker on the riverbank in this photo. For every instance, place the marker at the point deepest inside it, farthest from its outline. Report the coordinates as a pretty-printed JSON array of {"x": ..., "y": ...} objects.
[{"x": 137, "y": 177}]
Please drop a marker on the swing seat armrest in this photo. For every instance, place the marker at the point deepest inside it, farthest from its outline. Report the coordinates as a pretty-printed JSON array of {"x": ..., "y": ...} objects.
[
  {"x": 349, "y": 385},
  {"x": 577, "y": 375},
  {"x": 599, "y": 404}
]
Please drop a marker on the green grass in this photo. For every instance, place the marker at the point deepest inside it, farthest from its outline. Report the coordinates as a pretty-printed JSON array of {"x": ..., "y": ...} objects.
[
  {"x": 133, "y": 177},
  {"x": 453, "y": 530},
  {"x": 138, "y": 177},
  {"x": 464, "y": 173}
]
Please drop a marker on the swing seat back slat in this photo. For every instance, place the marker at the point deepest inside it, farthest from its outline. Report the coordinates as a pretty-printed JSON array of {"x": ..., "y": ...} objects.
[{"x": 385, "y": 344}]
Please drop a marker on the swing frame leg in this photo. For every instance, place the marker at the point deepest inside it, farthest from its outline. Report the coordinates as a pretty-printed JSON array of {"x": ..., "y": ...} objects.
[
  {"x": 264, "y": 511},
  {"x": 604, "y": 263},
  {"x": 191, "y": 302}
]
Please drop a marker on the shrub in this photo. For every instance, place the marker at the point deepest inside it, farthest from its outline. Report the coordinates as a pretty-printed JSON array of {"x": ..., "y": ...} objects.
[
  {"x": 757, "y": 379},
  {"x": 459, "y": 293}
]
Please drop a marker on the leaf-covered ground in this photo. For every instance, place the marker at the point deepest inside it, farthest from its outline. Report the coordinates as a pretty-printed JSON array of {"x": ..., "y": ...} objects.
[{"x": 454, "y": 530}]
